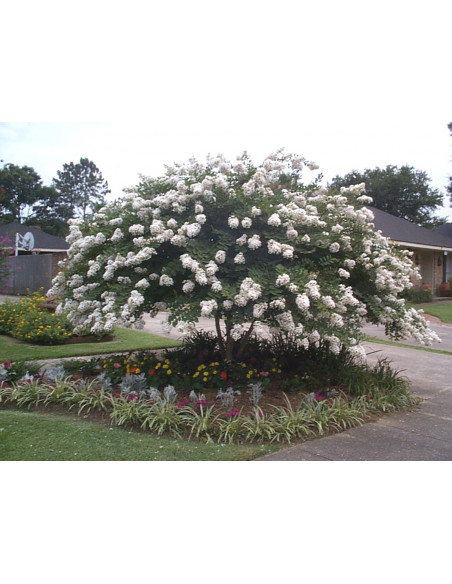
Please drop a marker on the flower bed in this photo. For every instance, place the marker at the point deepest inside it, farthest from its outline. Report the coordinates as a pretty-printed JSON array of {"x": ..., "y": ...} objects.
[
  {"x": 206, "y": 401},
  {"x": 27, "y": 320}
]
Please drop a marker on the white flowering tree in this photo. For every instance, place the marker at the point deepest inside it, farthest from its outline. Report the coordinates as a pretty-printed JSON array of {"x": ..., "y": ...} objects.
[{"x": 245, "y": 245}]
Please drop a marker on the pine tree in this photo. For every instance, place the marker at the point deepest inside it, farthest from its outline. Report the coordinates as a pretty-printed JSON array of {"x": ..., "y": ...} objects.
[{"x": 81, "y": 187}]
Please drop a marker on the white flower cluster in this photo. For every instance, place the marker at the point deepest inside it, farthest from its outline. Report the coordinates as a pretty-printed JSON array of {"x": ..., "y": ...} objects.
[
  {"x": 249, "y": 291},
  {"x": 207, "y": 307}
]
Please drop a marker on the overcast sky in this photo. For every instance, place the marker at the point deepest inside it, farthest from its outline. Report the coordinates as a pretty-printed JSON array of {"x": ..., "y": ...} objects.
[{"x": 349, "y": 85}]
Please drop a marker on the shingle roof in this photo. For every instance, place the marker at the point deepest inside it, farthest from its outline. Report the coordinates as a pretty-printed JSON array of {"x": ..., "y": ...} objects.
[
  {"x": 398, "y": 229},
  {"x": 445, "y": 229},
  {"x": 43, "y": 241}
]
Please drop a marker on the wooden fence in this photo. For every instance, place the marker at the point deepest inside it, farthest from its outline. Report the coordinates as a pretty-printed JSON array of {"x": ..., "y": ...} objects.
[{"x": 29, "y": 273}]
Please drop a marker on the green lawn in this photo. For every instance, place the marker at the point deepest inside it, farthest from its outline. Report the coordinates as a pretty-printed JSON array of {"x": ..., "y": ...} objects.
[
  {"x": 442, "y": 309},
  {"x": 124, "y": 340},
  {"x": 40, "y": 436},
  {"x": 405, "y": 345}
]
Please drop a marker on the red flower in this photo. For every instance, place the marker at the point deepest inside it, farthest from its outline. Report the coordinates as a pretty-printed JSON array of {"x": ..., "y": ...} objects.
[
  {"x": 223, "y": 375},
  {"x": 151, "y": 372},
  {"x": 6, "y": 364},
  {"x": 117, "y": 365},
  {"x": 133, "y": 369},
  {"x": 233, "y": 413}
]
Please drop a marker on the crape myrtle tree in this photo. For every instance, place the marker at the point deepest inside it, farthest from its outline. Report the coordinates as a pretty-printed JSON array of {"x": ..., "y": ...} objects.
[{"x": 245, "y": 245}]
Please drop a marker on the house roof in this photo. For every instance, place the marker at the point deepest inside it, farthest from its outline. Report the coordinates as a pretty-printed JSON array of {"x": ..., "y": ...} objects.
[
  {"x": 445, "y": 229},
  {"x": 404, "y": 232},
  {"x": 43, "y": 241}
]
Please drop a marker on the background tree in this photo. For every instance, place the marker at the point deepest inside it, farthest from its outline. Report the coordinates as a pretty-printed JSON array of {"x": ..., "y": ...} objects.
[
  {"x": 403, "y": 192},
  {"x": 80, "y": 188},
  {"x": 20, "y": 188},
  {"x": 51, "y": 214},
  {"x": 449, "y": 186}
]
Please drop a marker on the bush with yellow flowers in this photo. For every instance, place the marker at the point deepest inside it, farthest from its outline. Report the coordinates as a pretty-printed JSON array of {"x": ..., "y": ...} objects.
[{"x": 27, "y": 321}]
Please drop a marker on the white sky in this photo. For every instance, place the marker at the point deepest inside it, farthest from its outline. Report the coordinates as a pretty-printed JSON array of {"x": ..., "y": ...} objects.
[{"x": 350, "y": 85}]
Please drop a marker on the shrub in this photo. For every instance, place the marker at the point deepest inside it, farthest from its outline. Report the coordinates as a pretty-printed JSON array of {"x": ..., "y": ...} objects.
[
  {"x": 416, "y": 295},
  {"x": 27, "y": 321}
]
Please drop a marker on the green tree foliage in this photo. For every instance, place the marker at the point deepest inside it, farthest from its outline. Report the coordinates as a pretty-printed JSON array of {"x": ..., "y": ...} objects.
[
  {"x": 403, "y": 192},
  {"x": 80, "y": 188},
  {"x": 51, "y": 213},
  {"x": 20, "y": 189},
  {"x": 449, "y": 186}
]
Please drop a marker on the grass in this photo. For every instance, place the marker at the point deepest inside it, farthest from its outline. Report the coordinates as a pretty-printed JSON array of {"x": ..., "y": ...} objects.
[
  {"x": 33, "y": 436},
  {"x": 124, "y": 340},
  {"x": 405, "y": 345},
  {"x": 442, "y": 309}
]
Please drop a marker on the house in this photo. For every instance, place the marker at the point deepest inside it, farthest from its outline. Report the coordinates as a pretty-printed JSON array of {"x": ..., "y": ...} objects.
[
  {"x": 432, "y": 250},
  {"x": 33, "y": 269},
  {"x": 446, "y": 230}
]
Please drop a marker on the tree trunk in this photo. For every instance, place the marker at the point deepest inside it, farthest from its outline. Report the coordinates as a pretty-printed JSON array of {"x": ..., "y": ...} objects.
[
  {"x": 220, "y": 336},
  {"x": 229, "y": 343},
  {"x": 245, "y": 340}
]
